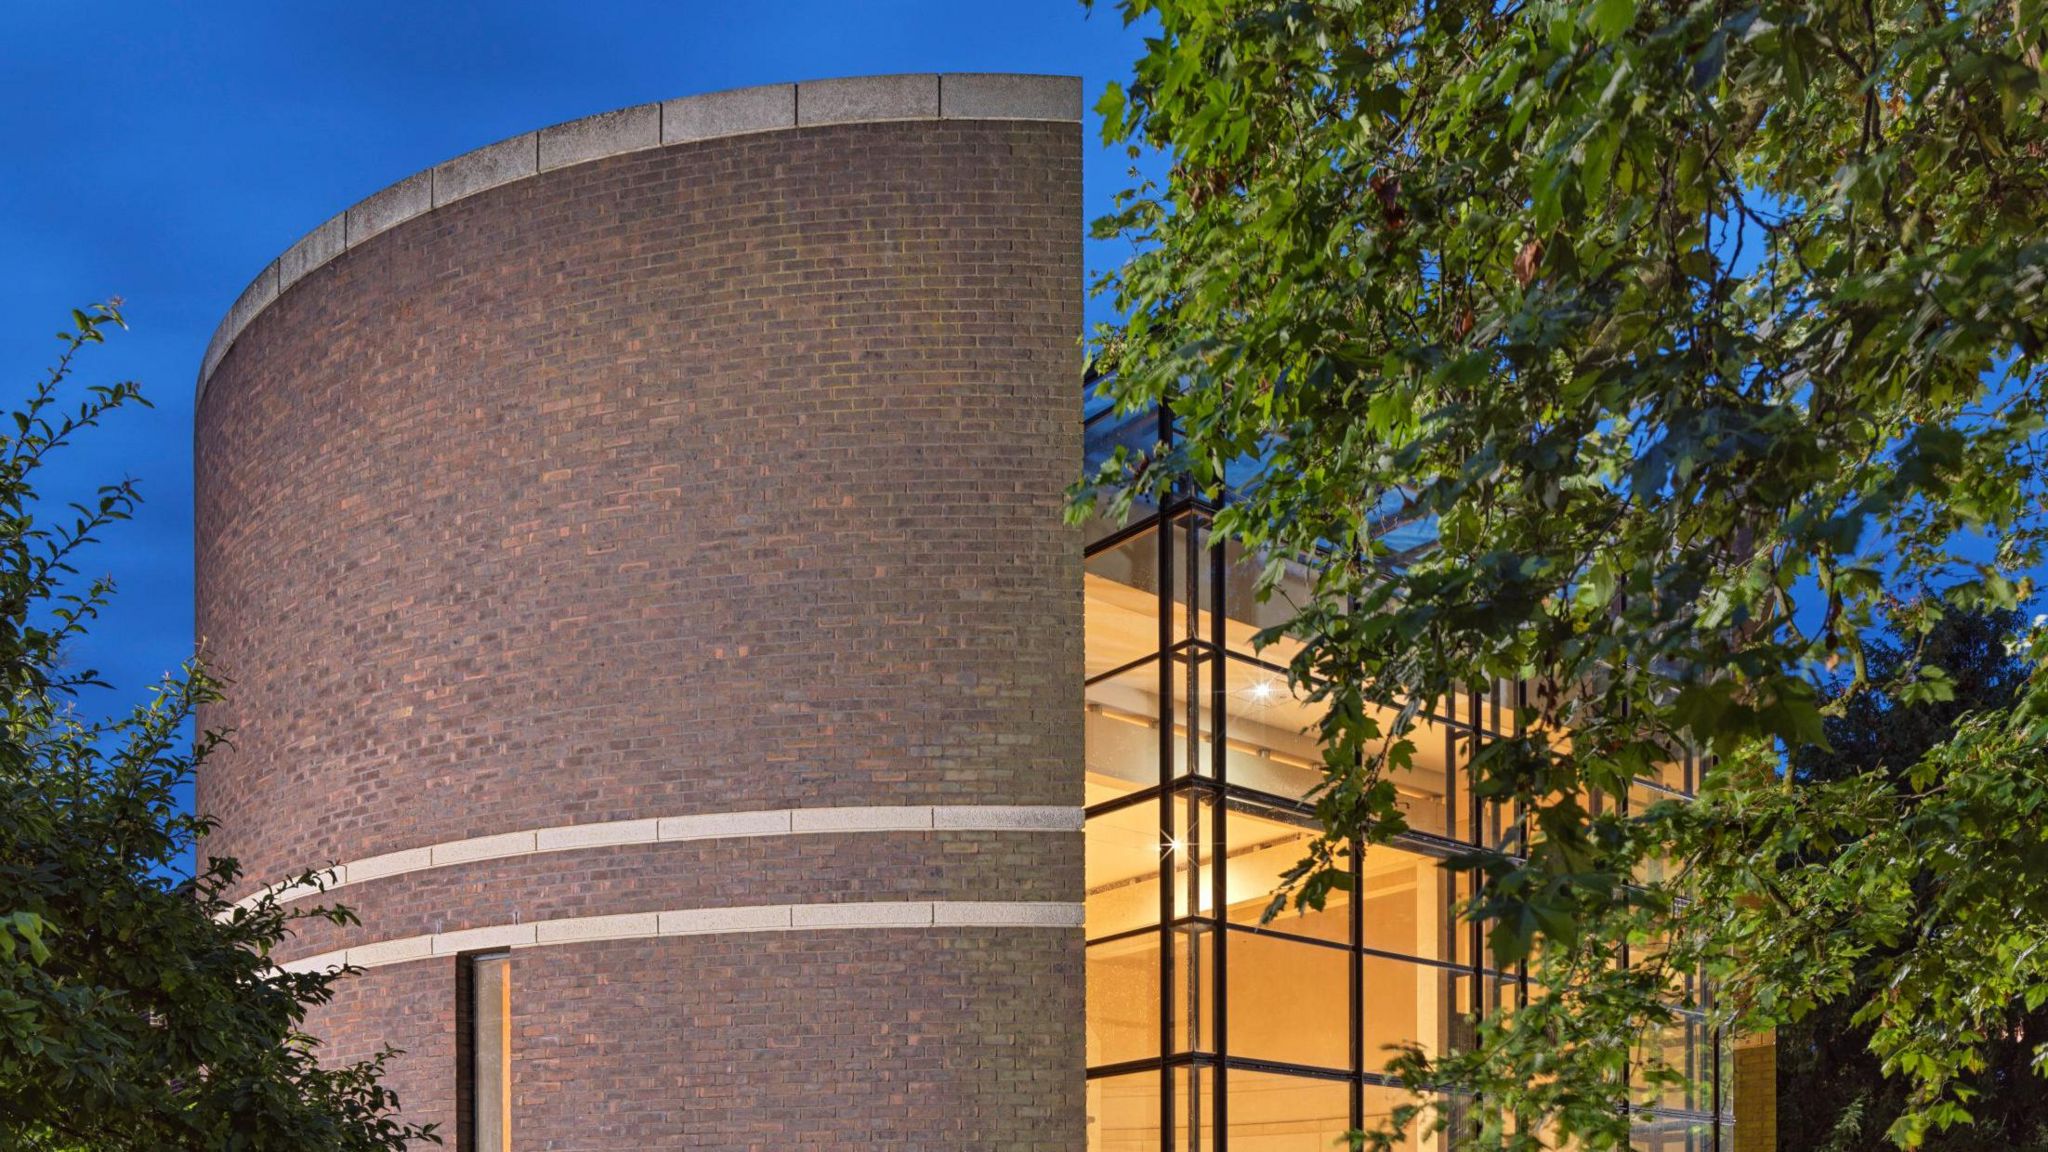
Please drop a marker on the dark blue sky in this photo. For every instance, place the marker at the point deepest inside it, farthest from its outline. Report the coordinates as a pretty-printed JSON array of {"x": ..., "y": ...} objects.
[{"x": 166, "y": 153}]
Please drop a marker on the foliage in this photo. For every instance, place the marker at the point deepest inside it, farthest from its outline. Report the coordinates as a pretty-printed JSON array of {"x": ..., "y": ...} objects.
[
  {"x": 1832, "y": 1095},
  {"x": 1690, "y": 328},
  {"x": 137, "y": 1010},
  {"x": 1916, "y": 896}
]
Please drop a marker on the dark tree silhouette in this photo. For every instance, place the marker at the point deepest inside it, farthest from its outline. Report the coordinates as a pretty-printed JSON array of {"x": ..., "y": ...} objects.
[{"x": 1832, "y": 1094}]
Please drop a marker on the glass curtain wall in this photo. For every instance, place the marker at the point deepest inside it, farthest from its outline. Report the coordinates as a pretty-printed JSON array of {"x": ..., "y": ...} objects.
[{"x": 1207, "y": 1030}]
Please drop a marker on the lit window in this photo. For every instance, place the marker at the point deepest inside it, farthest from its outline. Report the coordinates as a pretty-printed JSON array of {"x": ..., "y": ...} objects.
[
  {"x": 490, "y": 1053},
  {"x": 1209, "y": 1028}
]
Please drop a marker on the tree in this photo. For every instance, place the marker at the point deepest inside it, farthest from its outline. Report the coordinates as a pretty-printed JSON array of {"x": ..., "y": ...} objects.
[
  {"x": 138, "y": 1010},
  {"x": 1689, "y": 327},
  {"x": 1832, "y": 1094}
]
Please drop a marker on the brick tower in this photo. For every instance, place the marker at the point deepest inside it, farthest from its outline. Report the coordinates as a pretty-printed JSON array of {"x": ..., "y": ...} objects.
[{"x": 636, "y": 549}]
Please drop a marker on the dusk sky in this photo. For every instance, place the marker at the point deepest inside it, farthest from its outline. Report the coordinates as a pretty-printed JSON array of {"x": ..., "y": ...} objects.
[{"x": 165, "y": 154}]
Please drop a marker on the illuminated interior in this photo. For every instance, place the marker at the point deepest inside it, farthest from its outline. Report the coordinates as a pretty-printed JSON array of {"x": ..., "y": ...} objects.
[
  {"x": 486, "y": 1082},
  {"x": 1206, "y": 1029}
]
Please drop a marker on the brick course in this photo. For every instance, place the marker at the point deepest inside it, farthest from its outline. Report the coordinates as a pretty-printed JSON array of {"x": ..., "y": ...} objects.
[{"x": 715, "y": 477}]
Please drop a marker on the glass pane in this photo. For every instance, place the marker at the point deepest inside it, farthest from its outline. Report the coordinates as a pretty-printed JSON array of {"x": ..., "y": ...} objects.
[
  {"x": 1424, "y": 789},
  {"x": 1408, "y": 903},
  {"x": 1123, "y": 853},
  {"x": 1191, "y": 584},
  {"x": 1102, "y": 789},
  {"x": 1121, "y": 597},
  {"x": 1193, "y": 671},
  {"x": 1647, "y": 953},
  {"x": 1464, "y": 708},
  {"x": 1678, "y": 1047},
  {"x": 1499, "y": 822},
  {"x": 1461, "y": 822},
  {"x": 1273, "y": 1113},
  {"x": 1245, "y": 616},
  {"x": 1123, "y": 1000},
  {"x": 1673, "y": 775},
  {"x": 1194, "y": 988},
  {"x": 1421, "y": 1131},
  {"x": 1497, "y": 708},
  {"x": 1504, "y": 995},
  {"x": 1661, "y": 1134},
  {"x": 1107, "y": 428},
  {"x": 1271, "y": 738},
  {"x": 1194, "y": 1109},
  {"x": 1468, "y": 944},
  {"x": 1121, "y": 733},
  {"x": 1721, "y": 1064},
  {"x": 1643, "y": 793},
  {"x": 1264, "y": 844},
  {"x": 1123, "y": 1113},
  {"x": 1289, "y": 1001},
  {"x": 1407, "y": 1003},
  {"x": 491, "y": 1051},
  {"x": 1192, "y": 851},
  {"x": 1642, "y": 796}
]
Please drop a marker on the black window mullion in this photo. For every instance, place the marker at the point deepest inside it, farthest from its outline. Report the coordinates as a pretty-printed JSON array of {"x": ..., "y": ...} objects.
[
  {"x": 1628, "y": 1071},
  {"x": 1166, "y": 838},
  {"x": 1194, "y": 833},
  {"x": 1715, "y": 1130},
  {"x": 1286, "y": 1068},
  {"x": 1119, "y": 670},
  {"x": 465, "y": 1053},
  {"x": 1219, "y": 890},
  {"x": 1484, "y": 827},
  {"x": 1475, "y": 831},
  {"x": 1357, "y": 996}
]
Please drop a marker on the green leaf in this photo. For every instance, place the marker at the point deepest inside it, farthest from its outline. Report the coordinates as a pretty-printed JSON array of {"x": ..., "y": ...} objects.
[{"x": 1608, "y": 19}]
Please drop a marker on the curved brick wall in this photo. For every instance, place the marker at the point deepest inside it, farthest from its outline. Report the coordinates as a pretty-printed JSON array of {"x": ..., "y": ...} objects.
[{"x": 700, "y": 477}]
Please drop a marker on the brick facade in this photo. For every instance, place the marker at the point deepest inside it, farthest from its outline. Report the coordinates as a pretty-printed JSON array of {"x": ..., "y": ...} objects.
[{"x": 704, "y": 478}]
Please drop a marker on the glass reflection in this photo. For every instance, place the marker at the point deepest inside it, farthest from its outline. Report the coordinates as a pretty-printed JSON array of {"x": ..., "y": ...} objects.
[
  {"x": 1123, "y": 1000},
  {"x": 1273, "y": 1113},
  {"x": 1420, "y": 1133},
  {"x": 1123, "y": 1113},
  {"x": 1125, "y": 851},
  {"x": 1289, "y": 1001},
  {"x": 1406, "y": 1003}
]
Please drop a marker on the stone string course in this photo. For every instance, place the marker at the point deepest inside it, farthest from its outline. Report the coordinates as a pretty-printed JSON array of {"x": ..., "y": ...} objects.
[
  {"x": 706, "y": 826},
  {"x": 824, "y": 868},
  {"x": 701, "y": 922}
]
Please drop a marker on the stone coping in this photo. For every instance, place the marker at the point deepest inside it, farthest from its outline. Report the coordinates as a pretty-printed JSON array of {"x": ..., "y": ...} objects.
[{"x": 686, "y": 120}]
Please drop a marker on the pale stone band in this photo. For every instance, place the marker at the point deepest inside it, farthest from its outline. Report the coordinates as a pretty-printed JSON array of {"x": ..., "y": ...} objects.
[
  {"x": 706, "y": 826},
  {"x": 738, "y": 112},
  {"x": 702, "y": 922}
]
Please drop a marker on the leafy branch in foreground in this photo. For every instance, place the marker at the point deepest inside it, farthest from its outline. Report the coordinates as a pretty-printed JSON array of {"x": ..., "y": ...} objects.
[
  {"x": 1691, "y": 328},
  {"x": 137, "y": 1010},
  {"x": 1833, "y": 1096}
]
